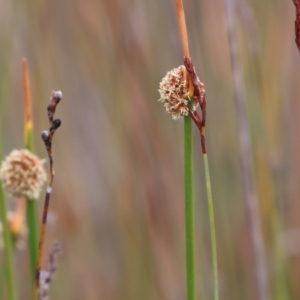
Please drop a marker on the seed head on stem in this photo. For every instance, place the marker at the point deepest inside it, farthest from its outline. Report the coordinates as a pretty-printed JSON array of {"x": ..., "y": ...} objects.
[
  {"x": 22, "y": 174},
  {"x": 174, "y": 93}
]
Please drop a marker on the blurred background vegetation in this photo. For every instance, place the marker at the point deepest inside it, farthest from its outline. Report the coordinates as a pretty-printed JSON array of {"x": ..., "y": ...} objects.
[{"x": 118, "y": 205}]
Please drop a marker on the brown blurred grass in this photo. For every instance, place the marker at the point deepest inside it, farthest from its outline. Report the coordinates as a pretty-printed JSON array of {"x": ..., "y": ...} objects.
[{"x": 118, "y": 196}]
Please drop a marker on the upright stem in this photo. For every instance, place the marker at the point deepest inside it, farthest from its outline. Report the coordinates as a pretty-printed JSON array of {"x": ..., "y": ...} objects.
[
  {"x": 31, "y": 203},
  {"x": 47, "y": 138},
  {"x": 8, "y": 248},
  {"x": 245, "y": 158},
  {"x": 32, "y": 234},
  {"x": 41, "y": 243},
  {"x": 189, "y": 208},
  {"x": 212, "y": 227},
  {"x": 32, "y": 223}
]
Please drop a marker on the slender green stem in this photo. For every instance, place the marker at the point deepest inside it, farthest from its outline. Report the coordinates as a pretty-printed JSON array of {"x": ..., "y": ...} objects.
[
  {"x": 5, "y": 270},
  {"x": 212, "y": 227},
  {"x": 32, "y": 222},
  {"x": 3, "y": 277},
  {"x": 189, "y": 208},
  {"x": 32, "y": 234},
  {"x": 12, "y": 288}
]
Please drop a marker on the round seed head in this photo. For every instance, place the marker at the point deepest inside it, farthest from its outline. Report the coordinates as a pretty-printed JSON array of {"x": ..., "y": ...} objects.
[
  {"x": 174, "y": 91},
  {"x": 22, "y": 174}
]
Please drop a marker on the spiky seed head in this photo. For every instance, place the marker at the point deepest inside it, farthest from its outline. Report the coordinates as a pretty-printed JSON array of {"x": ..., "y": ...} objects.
[
  {"x": 174, "y": 92},
  {"x": 22, "y": 174}
]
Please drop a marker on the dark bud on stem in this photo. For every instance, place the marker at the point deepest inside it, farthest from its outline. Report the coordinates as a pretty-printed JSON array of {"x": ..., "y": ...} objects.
[
  {"x": 45, "y": 135},
  {"x": 56, "y": 123},
  {"x": 49, "y": 107},
  {"x": 46, "y": 138}
]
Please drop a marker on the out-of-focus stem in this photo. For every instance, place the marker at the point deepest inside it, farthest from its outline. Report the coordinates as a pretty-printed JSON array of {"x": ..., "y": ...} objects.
[
  {"x": 245, "y": 158},
  {"x": 8, "y": 249},
  {"x": 212, "y": 227},
  {"x": 31, "y": 203}
]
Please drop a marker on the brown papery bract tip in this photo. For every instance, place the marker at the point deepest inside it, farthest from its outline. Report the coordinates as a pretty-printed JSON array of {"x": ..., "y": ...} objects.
[{"x": 182, "y": 28}]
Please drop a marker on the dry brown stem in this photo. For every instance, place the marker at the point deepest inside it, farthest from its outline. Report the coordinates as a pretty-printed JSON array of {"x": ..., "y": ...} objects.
[{"x": 47, "y": 138}]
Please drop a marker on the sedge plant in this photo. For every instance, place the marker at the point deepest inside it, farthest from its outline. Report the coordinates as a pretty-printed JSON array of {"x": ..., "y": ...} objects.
[{"x": 182, "y": 92}]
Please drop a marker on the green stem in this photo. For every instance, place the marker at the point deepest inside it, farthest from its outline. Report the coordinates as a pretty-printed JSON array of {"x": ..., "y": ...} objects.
[
  {"x": 189, "y": 208},
  {"x": 32, "y": 222},
  {"x": 212, "y": 227},
  {"x": 3, "y": 277},
  {"x": 5, "y": 270},
  {"x": 12, "y": 288},
  {"x": 32, "y": 234}
]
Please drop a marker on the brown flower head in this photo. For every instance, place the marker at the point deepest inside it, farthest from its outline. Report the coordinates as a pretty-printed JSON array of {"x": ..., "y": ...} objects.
[
  {"x": 174, "y": 93},
  {"x": 22, "y": 174}
]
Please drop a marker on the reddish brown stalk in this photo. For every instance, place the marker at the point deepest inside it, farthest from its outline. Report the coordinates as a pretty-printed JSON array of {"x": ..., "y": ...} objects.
[
  {"x": 197, "y": 120},
  {"x": 41, "y": 243},
  {"x": 199, "y": 94},
  {"x": 47, "y": 138},
  {"x": 297, "y": 23}
]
